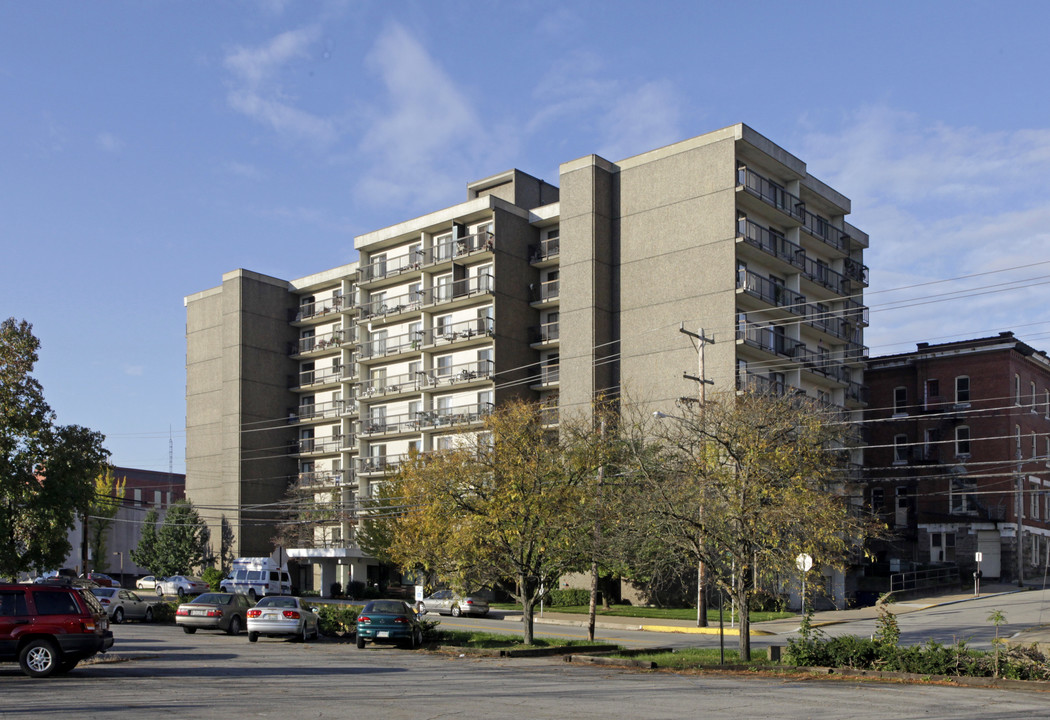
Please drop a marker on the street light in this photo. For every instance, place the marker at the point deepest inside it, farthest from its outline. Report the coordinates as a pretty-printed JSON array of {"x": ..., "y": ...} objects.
[
  {"x": 701, "y": 590},
  {"x": 121, "y": 554}
]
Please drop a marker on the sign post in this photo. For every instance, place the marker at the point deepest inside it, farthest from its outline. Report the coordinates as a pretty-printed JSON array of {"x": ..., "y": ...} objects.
[
  {"x": 977, "y": 574},
  {"x": 804, "y": 562}
]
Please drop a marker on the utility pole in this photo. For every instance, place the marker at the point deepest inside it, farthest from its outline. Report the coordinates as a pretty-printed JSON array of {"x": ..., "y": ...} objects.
[
  {"x": 1020, "y": 519},
  {"x": 701, "y": 381}
]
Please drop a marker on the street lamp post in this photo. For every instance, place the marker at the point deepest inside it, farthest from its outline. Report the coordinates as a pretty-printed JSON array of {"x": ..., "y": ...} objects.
[{"x": 121, "y": 554}]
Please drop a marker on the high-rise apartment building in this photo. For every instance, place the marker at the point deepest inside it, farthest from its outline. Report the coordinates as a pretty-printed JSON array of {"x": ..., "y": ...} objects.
[{"x": 555, "y": 294}]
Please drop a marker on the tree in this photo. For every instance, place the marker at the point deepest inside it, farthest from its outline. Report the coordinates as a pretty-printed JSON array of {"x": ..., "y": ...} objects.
[
  {"x": 747, "y": 483},
  {"x": 145, "y": 553},
  {"x": 46, "y": 470},
  {"x": 503, "y": 506},
  {"x": 225, "y": 546},
  {"x": 182, "y": 542},
  {"x": 109, "y": 494}
]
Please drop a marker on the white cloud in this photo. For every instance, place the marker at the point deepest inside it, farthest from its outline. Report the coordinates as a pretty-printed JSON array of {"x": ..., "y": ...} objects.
[
  {"x": 134, "y": 370},
  {"x": 940, "y": 202},
  {"x": 109, "y": 142},
  {"x": 258, "y": 93}
]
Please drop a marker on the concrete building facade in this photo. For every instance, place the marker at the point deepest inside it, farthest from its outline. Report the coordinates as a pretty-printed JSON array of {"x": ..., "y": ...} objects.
[
  {"x": 959, "y": 456},
  {"x": 555, "y": 294}
]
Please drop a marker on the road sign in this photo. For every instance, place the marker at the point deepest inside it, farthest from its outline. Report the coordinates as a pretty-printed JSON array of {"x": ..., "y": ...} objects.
[{"x": 804, "y": 562}]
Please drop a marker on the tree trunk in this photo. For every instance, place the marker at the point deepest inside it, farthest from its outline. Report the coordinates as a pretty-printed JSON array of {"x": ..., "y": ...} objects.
[
  {"x": 594, "y": 600},
  {"x": 742, "y": 596},
  {"x": 527, "y": 607}
]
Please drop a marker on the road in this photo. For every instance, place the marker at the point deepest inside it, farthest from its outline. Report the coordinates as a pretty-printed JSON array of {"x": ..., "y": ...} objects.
[{"x": 158, "y": 670}]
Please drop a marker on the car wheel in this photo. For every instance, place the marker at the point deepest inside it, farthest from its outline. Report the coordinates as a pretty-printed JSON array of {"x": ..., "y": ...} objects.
[
  {"x": 160, "y": 591},
  {"x": 456, "y": 612},
  {"x": 419, "y": 638},
  {"x": 251, "y": 594},
  {"x": 39, "y": 658},
  {"x": 317, "y": 632},
  {"x": 149, "y": 615},
  {"x": 181, "y": 593},
  {"x": 235, "y": 626},
  {"x": 360, "y": 643},
  {"x": 253, "y": 637},
  {"x": 118, "y": 615},
  {"x": 302, "y": 635},
  {"x": 188, "y": 630}
]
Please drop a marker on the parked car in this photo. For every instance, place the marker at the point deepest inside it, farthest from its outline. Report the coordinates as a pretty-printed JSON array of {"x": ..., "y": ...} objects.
[
  {"x": 123, "y": 604},
  {"x": 446, "y": 602},
  {"x": 181, "y": 585},
  {"x": 215, "y": 611},
  {"x": 389, "y": 621},
  {"x": 282, "y": 615},
  {"x": 146, "y": 583},
  {"x": 100, "y": 579},
  {"x": 48, "y": 629}
]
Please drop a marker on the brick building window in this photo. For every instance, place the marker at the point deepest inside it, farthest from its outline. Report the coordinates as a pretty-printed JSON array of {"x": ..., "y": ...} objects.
[
  {"x": 900, "y": 400},
  {"x": 1017, "y": 389},
  {"x": 900, "y": 449},
  {"x": 962, "y": 390},
  {"x": 962, "y": 441}
]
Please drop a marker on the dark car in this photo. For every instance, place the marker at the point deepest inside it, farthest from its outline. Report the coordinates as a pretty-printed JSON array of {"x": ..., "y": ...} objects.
[
  {"x": 48, "y": 629},
  {"x": 215, "y": 611},
  {"x": 391, "y": 621}
]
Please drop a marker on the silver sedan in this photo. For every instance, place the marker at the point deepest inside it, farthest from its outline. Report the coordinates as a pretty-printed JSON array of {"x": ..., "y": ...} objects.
[
  {"x": 446, "y": 602},
  {"x": 124, "y": 604},
  {"x": 277, "y": 615}
]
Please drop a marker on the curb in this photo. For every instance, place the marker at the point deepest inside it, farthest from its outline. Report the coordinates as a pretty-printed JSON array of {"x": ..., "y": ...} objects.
[{"x": 652, "y": 628}]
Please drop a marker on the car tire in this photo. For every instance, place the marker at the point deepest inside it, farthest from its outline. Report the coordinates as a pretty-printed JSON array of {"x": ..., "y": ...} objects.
[
  {"x": 419, "y": 638},
  {"x": 360, "y": 643},
  {"x": 253, "y": 637},
  {"x": 188, "y": 630},
  {"x": 181, "y": 593},
  {"x": 317, "y": 632},
  {"x": 456, "y": 612},
  {"x": 118, "y": 615},
  {"x": 235, "y": 626},
  {"x": 160, "y": 591},
  {"x": 39, "y": 658},
  {"x": 149, "y": 615},
  {"x": 251, "y": 594}
]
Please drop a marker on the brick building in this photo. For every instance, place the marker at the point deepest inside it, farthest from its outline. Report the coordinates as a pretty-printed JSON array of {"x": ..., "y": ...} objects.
[{"x": 959, "y": 455}]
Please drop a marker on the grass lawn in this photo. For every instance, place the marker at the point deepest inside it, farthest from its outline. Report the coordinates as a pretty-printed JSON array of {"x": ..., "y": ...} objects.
[
  {"x": 696, "y": 657},
  {"x": 464, "y": 638},
  {"x": 651, "y": 612}
]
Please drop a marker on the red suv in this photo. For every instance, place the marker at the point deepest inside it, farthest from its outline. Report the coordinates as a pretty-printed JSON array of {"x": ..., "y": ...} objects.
[{"x": 48, "y": 629}]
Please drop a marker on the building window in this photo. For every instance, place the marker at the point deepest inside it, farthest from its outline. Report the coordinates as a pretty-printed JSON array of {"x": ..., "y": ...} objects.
[
  {"x": 942, "y": 547},
  {"x": 933, "y": 391},
  {"x": 1034, "y": 504},
  {"x": 962, "y": 441},
  {"x": 931, "y": 446},
  {"x": 878, "y": 499},
  {"x": 1032, "y": 385},
  {"x": 1017, "y": 389},
  {"x": 962, "y": 390},
  {"x": 900, "y": 401},
  {"x": 157, "y": 498},
  {"x": 963, "y": 501},
  {"x": 1033, "y": 446},
  {"x": 900, "y": 449},
  {"x": 443, "y": 364},
  {"x": 1046, "y": 404},
  {"x": 1017, "y": 441}
]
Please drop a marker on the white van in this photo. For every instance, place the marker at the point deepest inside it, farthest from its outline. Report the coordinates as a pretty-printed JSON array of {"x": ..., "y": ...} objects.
[{"x": 256, "y": 577}]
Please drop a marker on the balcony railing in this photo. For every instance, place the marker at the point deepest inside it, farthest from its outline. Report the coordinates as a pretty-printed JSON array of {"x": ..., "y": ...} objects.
[
  {"x": 464, "y": 288},
  {"x": 379, "y": 464},
  {"x": 545, "y": 333},
  {"x": 319, "y": 309},
  {"x": 314, "y": 343},
  {"x": 409, "y": 302},
  {"x": 390, "y": 385},
  {"x": 828, "y": 321},
  {"x": 548, "y": 415},
  {"x": 855, "y": 312},
  {"x": 324, "y": 478},
  {"x": 383, "y": 267},
  {"x": 314, "y": 411},
  {"x": 454, "y": 332},
  {"x": 765, "y": 337},
  {"x": 753, "y": 382},
  {"x": 313, "y": 446},
  {"x": 549, "y": 374},
  {"x": 320, "y": 377},
  {"x": 821, "y": 274},
  {"x": 771, "y": 292},
  {"x": 464, "y": 372},
  {"x": 546, "y": 292},
  {"x": 425, "y": 419},
  {"x": 769, "y": 242},
  {"x": 545, "y": 250},
  {"x": 380, "y": 346}
]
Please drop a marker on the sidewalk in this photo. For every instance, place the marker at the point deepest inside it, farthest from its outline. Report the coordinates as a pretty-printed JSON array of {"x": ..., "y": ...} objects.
[{"x": 786, "y": 625}]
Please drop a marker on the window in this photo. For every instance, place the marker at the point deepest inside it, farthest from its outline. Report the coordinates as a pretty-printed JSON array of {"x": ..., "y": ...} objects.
[
  {"x": 484, "y": 276},
  {"x": 378, "y": 343},
  {"x": 443, "y": 326},
  {"x": 1034, "y": 505},
  {"x": 13, "y": 604},
  {"x": 1017, "y": 389},
  {"x": 379, "y": 265},
  {"x": 443, "y": 288},
  {"x": 933, "y": 391},
  {"x": 1046, "y": 450},
  {"x": 878, "y": 499},
  {"x": 1046, "y": 404},
  {"x": 138, "y": 494},
  {"x": 1032, "y": 385},
  {"x": 55, "y": 603},
  {"x": 963, "y": 501},
  {"x": 1033, "y": 446},
  {"x": 376, "y": 381},
  {"x": 443, "y": 364},
  {"x": 1017, "y": 441},
  {"x": 962, "y": 441},
  {"x": 962, "y": 390},
  {"x": 931, "y": 448},
  {"x": 443, "y": 247},
  {"x": 157, "y": 498},
  {"x": 900, "y": 400},
  {"x": 900, "y": 449}
]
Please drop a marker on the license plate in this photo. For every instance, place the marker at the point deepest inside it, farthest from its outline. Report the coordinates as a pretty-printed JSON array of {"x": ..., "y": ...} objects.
[
  {"x": 199, "y": 613},
  {"x": 382, "y": 633},
  {"x": 270, "y": 616}
]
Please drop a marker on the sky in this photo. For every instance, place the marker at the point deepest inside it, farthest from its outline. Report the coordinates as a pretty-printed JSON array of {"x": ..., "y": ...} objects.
[{"x": 148, "y": 147}]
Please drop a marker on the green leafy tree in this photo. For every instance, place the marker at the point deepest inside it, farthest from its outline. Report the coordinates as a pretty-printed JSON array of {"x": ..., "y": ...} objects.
[
  {"x": 501, "y": 507},
  {"x": 225, "y": 546},
  {"x": 109, "y": 495},
  {"x": 46, "y": 470},
  {"x": 745, "y": 484},
  {"x": 145, "y": 553},
  {"x": 182, "y": 541}
]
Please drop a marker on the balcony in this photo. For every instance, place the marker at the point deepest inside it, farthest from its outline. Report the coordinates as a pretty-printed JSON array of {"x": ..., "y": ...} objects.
[
  {"x": 549, "y": 415},
  {"x": 379, "y": 464},
  {"x": 384, "y": 307},
  {"x": 320, "y": 446},
  {"x": 766, "y": 338},
  {"x": 549, "y": 376},
  {"x": 414, "y": 422},
  {"x": 382, "y": 268},
  {"x": 544, "y": 334},
  {"x": 854, "y": 312},
  {"x": 545, "y": 253},
  {"x": 315, "y": 310},
  {"x": 458, "y": 290},
  {"x": 770, "y": 243},
  {"x": 317, "y": 343},
  {"x": 324, "y": 479},
  {"x": 392, "y": 385},
  {"x": 459, "y": 248},
  {"x": 483, "y": 327},
  {"x": 459, "y": 374},
  {"x": 545, "y": 294},
  {"x": 754, "y": 382},
  {"x": 380, "y": 346},
  {"x": 824, "y": 276},
  {"x": 314, "y": 378},
  {"x": 771, "y": 292},
  {"x": 317, "y": 411}
]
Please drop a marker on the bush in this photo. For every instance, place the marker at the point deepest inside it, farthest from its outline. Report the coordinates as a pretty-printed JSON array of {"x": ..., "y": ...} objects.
[
  {"x": 569, "y": 597},
  {"x": 212, "y": 576},
  {"x": 765, "y": 601},
  {"x": 164, "y": 612},
  {"x": 337, "y": 618}
]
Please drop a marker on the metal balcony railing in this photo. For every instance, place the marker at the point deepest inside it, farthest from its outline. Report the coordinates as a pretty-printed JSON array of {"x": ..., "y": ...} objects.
[
  {"x": 546, "y": 292},
  {"x": 770, "y": 242},
  {"x": 320, "y": 377},
  {"x": 380, "y": 307},
  {"x": 390, "y": 385},
  {"x": 379, "y": 464},
  {"x": 453, "y": 332},
  {"x": 460, "y": 247},
  {"x": 321, "y": 410},
  {"x": 315, "y": 343},
  {"x": 324, "y": 478},
  {"x": 464, "y": 372},
  {"x": 545, "y": 333},
  {"x": 313, "y": 446},
  {"x": 319, "y": 309},
  {"x": 379, "y": 345},
  {"x": 771, "y": 292},
  {"x": 546, "y": 249}
]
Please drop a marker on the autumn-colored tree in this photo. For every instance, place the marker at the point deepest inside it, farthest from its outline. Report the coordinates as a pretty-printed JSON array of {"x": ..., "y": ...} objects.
[
  {"x": 749, "y": 482},
  {"x": 46, "y": 470},
  {"x": 502, "y": 506},
  {"x": 109, "y": 495}
]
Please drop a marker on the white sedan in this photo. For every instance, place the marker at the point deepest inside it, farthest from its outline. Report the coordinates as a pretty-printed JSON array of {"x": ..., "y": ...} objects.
[
  {"x": 147, "y": 583},
  {"x": 282, "y": 615},
  {"x": 182, "y": 585}
]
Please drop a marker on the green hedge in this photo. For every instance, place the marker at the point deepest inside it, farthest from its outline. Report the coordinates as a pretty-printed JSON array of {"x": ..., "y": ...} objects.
[
  {"x": 569, "y": 597},
  {"x": 164, "y": 612},
  {"x": 337, "y": 618}
]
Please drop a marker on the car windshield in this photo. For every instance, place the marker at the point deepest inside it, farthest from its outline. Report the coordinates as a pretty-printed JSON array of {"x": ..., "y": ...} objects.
[
  {"x": 103, "y": 592},
  {"x": 385, "y": 606},
  {"x": 277, "y": 602},
  {"x": 213, "y": 599}
]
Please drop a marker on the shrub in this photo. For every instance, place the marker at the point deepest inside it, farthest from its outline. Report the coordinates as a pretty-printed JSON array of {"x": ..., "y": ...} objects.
[
  {"x": 568, "y": 597},
  {"x": 337, "y": 618},
  {"x": 164, "y": 612},
  {"x": 765, "y": 601},
  {"x": 212, "y": 576}
]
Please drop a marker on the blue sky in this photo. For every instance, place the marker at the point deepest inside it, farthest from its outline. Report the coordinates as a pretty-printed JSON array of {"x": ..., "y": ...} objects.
[{"x": 148, "y": 147}]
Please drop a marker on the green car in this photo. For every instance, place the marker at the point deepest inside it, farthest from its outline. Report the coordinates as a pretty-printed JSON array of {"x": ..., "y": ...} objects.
[{"x": 391, "y": 621}]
